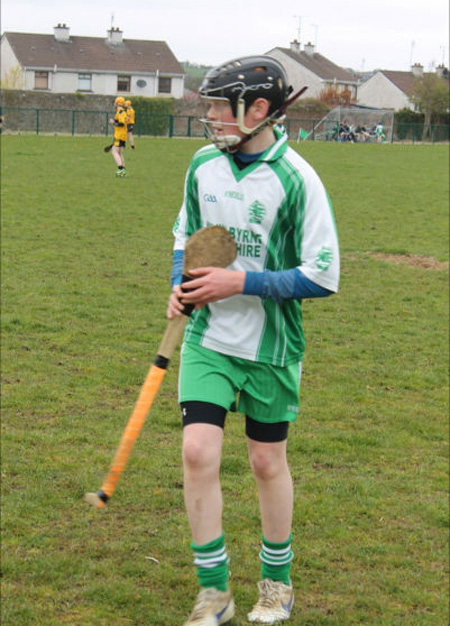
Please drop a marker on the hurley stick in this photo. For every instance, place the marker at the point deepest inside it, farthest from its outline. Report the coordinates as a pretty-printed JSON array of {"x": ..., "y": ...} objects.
[{"x": 210, "y": 246}]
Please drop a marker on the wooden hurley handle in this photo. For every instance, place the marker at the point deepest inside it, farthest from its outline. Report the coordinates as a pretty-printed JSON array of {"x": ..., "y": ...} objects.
[{"x": 172, "y": 336}]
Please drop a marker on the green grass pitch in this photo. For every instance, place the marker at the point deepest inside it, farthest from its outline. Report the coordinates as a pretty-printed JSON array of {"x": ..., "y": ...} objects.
[{"x": 85, "y": 279}]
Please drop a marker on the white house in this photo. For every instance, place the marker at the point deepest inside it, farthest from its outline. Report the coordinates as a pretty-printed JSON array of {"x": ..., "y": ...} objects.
[
  {"x": 387, "y": 89},
  {"x": 61, "y": 63},
  {"x": 308, "y": 67}
]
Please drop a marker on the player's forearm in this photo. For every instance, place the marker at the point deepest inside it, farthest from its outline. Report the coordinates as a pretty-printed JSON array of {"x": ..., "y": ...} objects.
[
  {"x": 283, "y": 285},
  {"x": 176, "y": 275}
]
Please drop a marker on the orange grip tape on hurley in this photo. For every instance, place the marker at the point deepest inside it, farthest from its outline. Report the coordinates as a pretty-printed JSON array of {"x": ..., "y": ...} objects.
[{"x": 134, "y": 426}]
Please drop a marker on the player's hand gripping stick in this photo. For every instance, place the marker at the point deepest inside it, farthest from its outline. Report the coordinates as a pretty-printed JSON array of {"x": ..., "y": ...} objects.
[{"x": 210, "y": 246}]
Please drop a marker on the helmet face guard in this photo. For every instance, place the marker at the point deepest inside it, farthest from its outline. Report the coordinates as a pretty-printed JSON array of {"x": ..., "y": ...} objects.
[
  {"x": 240, "y": 82},
  {"x": 222, "y": 133}
]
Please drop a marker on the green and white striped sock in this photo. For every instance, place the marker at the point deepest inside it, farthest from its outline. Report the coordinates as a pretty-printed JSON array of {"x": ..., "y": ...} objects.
[
  {"x": 212, "y": 561},
  {"x": 276, "y": 560}
]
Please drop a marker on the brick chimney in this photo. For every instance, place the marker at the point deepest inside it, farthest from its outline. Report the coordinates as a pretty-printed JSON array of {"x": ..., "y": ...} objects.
[
  {"x": 61, "y": 33},
  {"x": 309, "y": 49},
  {"x": 417, "y": 70},
  {"x": 115, "y": 36},
  {"x": 295, "y": 46}
]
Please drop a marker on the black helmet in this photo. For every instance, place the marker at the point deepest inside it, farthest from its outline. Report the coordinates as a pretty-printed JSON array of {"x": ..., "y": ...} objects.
[{"x": 246, "y": 79}]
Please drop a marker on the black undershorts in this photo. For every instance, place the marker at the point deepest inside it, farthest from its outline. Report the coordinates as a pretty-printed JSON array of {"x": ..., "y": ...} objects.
[{"x": 193, "y": 412}]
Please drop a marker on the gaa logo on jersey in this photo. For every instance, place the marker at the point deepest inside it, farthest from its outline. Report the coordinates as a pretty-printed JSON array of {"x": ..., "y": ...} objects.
[
  {"x": 324, "y": 258},
  {"x": 257, "y": 212}
]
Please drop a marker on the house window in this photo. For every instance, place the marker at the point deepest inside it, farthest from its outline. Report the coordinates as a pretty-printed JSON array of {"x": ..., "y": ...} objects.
[
  {"x": 123, "y": 83},
  {"x": 41, "y": 80},
  {"x": 164, "y": 85},
  {"x": 84, "y": 82}
]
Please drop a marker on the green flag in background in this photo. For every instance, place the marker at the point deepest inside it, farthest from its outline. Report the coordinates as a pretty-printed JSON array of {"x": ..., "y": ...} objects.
[{"x": 303, "y": 134}]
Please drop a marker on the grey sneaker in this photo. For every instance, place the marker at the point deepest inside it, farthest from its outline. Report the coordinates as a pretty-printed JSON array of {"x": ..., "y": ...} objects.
[
  {"x": 274, "y": 604},
  {"x": 212, "y": 608}
]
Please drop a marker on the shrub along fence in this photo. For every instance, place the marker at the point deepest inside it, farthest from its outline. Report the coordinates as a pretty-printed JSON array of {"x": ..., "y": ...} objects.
[{"x": 163, "y": 124}]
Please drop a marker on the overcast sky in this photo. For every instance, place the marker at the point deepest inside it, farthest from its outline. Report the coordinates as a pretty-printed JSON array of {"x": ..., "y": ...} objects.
[{"x": 362, "y": 34}]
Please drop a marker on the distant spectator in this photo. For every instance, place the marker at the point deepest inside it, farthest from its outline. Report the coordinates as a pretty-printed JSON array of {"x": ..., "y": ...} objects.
[
  {"x": 343, "y": 130},
  {"x": 380, "y": 132},
  {"x": 346, "y": 132},
  {"x": 362, "y": 134}
]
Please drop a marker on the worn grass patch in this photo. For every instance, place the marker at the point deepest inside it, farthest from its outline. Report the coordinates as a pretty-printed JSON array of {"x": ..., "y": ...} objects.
[
  {"x": 85, "y": 265},
  {"x": 414, "y": 260}
]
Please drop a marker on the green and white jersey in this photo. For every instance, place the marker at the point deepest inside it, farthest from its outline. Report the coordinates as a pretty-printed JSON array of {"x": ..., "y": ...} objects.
[{"x": 279, "y": 214}]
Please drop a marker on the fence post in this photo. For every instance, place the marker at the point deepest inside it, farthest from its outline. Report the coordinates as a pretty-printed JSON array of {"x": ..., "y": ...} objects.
[
  {"x": 37, "y": 121},
  {"x": 171, "y": 125},
  {"x": 73, "y": 123},
  {"x": 139, "y": 124}
]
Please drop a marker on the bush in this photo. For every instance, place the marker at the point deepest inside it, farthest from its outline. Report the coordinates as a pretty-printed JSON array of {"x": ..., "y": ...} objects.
[
  {"x": 152, "y": 115},
  {"x": 406, "y": 122}
]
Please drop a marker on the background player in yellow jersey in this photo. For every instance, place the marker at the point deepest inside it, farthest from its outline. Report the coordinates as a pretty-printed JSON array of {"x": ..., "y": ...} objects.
[
  {"x": 131, "y": 120},
  {"x": 120, "y": 123}
]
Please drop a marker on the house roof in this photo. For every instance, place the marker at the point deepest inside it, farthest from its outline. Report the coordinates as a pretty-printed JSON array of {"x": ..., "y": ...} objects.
[
  {"x": 319, "y": 65},
  {"x": 93, "y": 53},
  {"x": 405, "y": 81}
]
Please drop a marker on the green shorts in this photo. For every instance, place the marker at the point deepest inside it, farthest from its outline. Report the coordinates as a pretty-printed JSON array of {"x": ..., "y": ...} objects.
[{"x": 264, "y": 392}]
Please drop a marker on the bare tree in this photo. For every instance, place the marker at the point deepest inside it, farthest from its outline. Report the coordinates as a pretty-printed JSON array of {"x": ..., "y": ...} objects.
[{"x": 431, "y": 97}]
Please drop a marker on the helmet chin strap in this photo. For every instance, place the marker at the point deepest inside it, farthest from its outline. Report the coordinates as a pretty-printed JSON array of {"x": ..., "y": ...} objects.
[
  {"x": 233, "y": 143},
  {"x": 227, "y": 143}
]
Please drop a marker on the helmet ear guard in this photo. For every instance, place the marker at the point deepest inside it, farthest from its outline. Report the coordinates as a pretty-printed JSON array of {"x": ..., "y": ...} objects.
[
  {"x": 277, "y": 117},
  {"x": 241, "y": 110}
]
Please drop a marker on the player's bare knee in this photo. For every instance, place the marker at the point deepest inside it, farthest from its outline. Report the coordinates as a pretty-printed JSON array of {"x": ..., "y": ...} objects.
[
  {"x": 265, "y": 466},
  {"x": 198, "y": 457}
]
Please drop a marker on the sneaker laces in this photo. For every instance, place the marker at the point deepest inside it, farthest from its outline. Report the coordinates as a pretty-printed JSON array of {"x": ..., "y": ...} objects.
[{"x": 268, "y": 593}]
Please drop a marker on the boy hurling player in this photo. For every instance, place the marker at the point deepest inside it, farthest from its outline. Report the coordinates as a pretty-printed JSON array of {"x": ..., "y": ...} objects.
[
  {"x": 120, "y": 135},
  {"x": 131, "y": 120},
  {"x": 244, "y": 344}
]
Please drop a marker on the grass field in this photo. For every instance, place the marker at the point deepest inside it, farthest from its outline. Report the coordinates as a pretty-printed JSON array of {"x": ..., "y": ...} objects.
[{"x": 85, "y": 265}]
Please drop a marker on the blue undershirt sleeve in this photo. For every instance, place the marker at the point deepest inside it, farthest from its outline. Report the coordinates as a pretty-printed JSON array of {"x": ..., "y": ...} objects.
[
  {"x": 177, "y": 267},
  {"x": 283, "y": 285}
]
